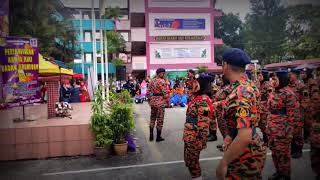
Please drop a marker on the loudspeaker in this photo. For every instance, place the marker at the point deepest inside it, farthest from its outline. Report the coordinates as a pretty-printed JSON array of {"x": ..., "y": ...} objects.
[{"x": 121, "y": 73}]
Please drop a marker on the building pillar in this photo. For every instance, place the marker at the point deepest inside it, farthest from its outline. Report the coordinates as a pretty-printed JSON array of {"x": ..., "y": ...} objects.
[{"x": 53, "y": 97}]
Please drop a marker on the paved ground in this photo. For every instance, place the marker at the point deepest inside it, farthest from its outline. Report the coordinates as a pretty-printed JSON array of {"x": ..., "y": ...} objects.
[{"x": 156, "y": 161}]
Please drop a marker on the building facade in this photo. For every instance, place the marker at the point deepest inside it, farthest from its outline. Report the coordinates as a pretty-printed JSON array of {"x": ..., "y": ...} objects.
[{"x": 173, "y": 34}]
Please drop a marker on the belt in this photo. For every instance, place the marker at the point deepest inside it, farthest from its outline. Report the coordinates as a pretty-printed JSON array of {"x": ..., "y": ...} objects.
[
  {"x": 282, "y": 111},
  {"x": 191, "y": 120},
  {"x": 156, "y": 94}
]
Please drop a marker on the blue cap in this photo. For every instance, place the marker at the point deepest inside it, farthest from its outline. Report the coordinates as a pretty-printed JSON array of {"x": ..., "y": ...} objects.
[{"x": 236, "y": 57}]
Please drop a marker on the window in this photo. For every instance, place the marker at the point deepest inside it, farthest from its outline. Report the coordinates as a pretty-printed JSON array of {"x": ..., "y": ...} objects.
[
  {"x": 124, "y": 14},
  {"x": 76, "y": 15},
  {"x": 138, "y": 48},
  {"x": 87, "y": 36},
  {"x": 137, "y": 20},
  {"x": 98, "y": 35},
  {"x": 86, "y": 14},
  {"x": 125, "y": 36},
  {"x": 88, "y": 57},
  {"x": 77, "y": 61}
]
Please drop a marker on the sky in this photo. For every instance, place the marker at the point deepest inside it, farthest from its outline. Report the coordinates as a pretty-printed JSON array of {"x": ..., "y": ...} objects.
[{"x": 243, "y": 6}]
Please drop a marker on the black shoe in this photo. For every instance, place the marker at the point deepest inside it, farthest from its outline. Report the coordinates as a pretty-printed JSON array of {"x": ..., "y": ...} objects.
[
  {"x": 151, "y": 134},
  {"x": 159, "y": 138},
  {"x": 275, "y": 176},
  {"x": 220, "y": 147},
  {"x": 212, "y": 137},
  {"x": 296, "y": 155}
]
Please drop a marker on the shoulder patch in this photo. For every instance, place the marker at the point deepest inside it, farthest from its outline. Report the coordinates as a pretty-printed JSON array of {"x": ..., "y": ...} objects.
[{"x": 242, "y": 112}]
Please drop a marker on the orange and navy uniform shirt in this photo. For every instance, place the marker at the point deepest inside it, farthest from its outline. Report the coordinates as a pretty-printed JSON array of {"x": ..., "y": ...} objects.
[
  {"x": 240, "y": 108},
  {"x": 198, "y": 116},
  {"x": 157, "y": 93},
  {"x": 282, "y": 107}
]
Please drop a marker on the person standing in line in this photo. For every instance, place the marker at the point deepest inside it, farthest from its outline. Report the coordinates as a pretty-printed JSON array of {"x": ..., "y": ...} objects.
[
  {"x": 190, "y": 84},
  {"x": 196, "y": 128},
  {"x": 217, "y": 103},
  {"x": 265, "y": 89},
  {"x": 310, "y": 82},
  {"x": 244, "y": 153},
  {"x": 282, "y": 106},
  {"x": 298, "y": 88},
  {"x": 315, "y": 131},
  {"x": 213, "y": 122},
  {"x": 158, "y": 99}
]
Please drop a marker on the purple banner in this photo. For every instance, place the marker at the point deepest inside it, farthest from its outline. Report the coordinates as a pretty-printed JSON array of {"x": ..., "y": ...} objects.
[
  {"x": 19, "y": 70},
  {"x": 4, "y": 20},
  {"x": 191, "y": 24}
]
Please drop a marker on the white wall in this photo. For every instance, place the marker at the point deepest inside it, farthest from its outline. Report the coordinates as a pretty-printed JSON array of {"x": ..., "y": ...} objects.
[
  {"x": 138, "y": 34},
  {"x": 195, "y": 44},
  {"x": 155, "y": 32},
  {"x": 139, "y": 63},
  {"x": 179, "y": 3},
  {"x": 123, "y": 25},
  {"x": 137, "y": 6}
]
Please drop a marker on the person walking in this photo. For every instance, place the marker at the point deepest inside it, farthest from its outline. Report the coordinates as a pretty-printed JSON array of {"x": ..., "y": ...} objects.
[
  {"x": 196, "y": 128},
  {"x": 244, "y": 153},
  {"x": 158, "y": 99},
  {"x": 282, "y": 105}
]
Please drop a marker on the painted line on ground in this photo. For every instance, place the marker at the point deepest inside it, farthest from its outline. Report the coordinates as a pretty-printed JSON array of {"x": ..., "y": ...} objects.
[{"x": 136, "y": 166}]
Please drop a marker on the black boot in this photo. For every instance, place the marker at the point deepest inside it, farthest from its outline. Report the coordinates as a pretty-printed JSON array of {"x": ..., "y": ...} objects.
[
  {"x": 298, "y": 152},
  {"x": 151, "y": 134},
  {"x": 275, "y": 176},
  {"x": 159, "y": 138},
  {"x": 212, "y": 136}
]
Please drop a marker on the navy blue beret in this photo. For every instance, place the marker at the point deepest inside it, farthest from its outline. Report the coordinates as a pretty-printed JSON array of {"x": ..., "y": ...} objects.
[
  {"x": 296, "y": 71},
  {"x": 204, "y": 76},
  {"x": 191, "y": 71},
  {"x": 160, "y": 70},
  {"x": 236, "y": 57},
  {"x": 282, "y": 73}
]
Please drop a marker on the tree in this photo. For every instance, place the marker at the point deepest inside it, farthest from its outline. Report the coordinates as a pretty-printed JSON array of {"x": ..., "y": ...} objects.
[
  {"x": 302, "y": 31},
  {"x": 264, "y": 30},
  {"x": 229, "y": 28},
  {"x": 43, "y": 20},
  {"x": 116, "y": 43}
]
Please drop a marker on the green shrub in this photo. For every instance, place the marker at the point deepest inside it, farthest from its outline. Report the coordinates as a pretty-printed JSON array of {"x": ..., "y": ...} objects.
[
  {"x": 100, "y": 127},
  {"x": 122, "y": 121}
]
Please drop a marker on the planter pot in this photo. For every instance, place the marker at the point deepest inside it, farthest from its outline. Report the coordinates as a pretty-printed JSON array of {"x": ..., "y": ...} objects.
[
  {"x": 102, "y": 152},
  {"x": 121, "y": 149}
]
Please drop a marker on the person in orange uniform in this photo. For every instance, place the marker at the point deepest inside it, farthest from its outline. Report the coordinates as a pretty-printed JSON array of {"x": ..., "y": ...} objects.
[
  {"x": 244, "y": 153},
  {"x": 158, "y": 99},
  {"x": 282, "y": 106},
  {"x": 298, "y": 87},
  {"x": 190, "y": 84},
  {"x": 196, "y": 128}
]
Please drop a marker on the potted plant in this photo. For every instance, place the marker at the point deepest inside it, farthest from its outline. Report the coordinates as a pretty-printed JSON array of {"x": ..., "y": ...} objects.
[
  {"x": 100, "y": 126},
  {"x": 122, "y": 124},
  {"x": 103, "y": 135}
]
